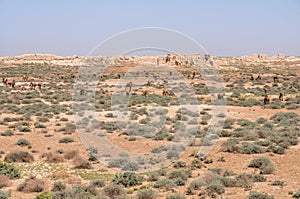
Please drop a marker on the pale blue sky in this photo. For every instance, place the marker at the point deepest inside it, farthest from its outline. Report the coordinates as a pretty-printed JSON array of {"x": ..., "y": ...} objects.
[{"x": 223, "y": 27}]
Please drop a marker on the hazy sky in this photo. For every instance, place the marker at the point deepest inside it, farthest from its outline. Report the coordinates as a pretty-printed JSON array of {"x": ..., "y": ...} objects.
[{"x": 223, "y": 27}]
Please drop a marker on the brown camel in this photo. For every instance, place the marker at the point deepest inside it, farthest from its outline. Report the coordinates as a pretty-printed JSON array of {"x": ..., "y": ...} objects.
[
  {"x": 220, "y": 95},
  {"x": 128, "y": 88},
  {"x": 258, "y": 77},
  {"x": 275, "y": 78},
  {"x": 39, "y": 85},
  {"x": 32, "y": 85},
  {"x": 281, "y": 96},
  {"x": 166, "y": 92},
  {"x": 266, "y": 100}
]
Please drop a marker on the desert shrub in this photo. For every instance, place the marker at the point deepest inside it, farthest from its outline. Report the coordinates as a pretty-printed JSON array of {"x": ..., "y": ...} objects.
[
  {"x": 18, "y": 156},
  {"x": 172, "y": 154},
  {"x": 70, "y": 154},
  {"x": 230, "y": 145},
  {"x": 276, "y": 149},
  {"x": 58, "y": 186},
  {"x": 78, "y": 191},
  {"x": 32, "y": 185},
  {"x": 146, "y": 194},
  {"x": 296, "y": 195},
  {"x": 9, "y": 170},
  {"x": 7, "y": 133},
  {"x": 175, "y": 196},
  {"x": 117, "y": 163},
  {"x": 53, "y": 158},
  {"x": 81, "y": 163},
  {"x": 24, "y": 129},
  {"x": 130, "y": 166},
  {"x": 261, "y": 120},
  {"x": 98, "y": 183},
  {"x": 259, "y": 195},
  {"x": 264, "y": 164},
  {"x": 127, "y": 179},
  {"x": 215, "y": 186},
  {"x": 277, "y": 183},
  {"x": 179, "y": 176},
  {"x": 113, "y": 191},
  {"x": 164, "y": 183},
  {"x": 195, "y": 185},
  {"x": 250, "y": 148},
  {"x": 4, "y": 181},
  {"x": 45, "y": 195},
  {"x": 23, "y": 142},
  {"x": 66, "y": 140},
  {"x": 196, "y": 164},
  {"x": 4, "y": 194},
  {"x": 179, "y": 164},
  {"x": 228, "y": 124},
  {"x": 159, "y": 149},
  {"x": 39, "y": 125},
  {"x": 259, "y": 178}
]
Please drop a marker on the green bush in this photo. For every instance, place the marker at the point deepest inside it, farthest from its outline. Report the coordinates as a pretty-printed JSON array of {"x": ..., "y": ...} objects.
[
  {"x": 179, "y": 176},
  {"x": 127, "y": 179},
  {"x": 250, "y": 148},
  {"x": 98, "y": 183},
  {"x": 66, "y": 140},
  {"x": 179, "y": 164},
  {"x": 296, "y": 195},
  {"x": 46, "y": 195},
  {"x": 4, "y": 195},
  {"x": 113, "y": 191},
  {"x": 164, "y": 182},
  {"x": 23, "y": 142},
  {"x": 78, "y": 191},
  {"x": 259, "y": 195},
  {"x": 230, "y": 145},
  {"x": 130, "y": 166},
  {"x": 264, "y": 164},
  {"x": 18, "y": 156},
  {"x": 9, "y": 170},
  {"x": 58, "y": 186},
  {"x": 175, "y": 196},
  {"x": 215, "y": 186},
  {"x": 39, "y": 125},
  {"x": 277, "y": 183},
  {"x": 146, "y": 194},
  {"x": 7, "y": 133}
]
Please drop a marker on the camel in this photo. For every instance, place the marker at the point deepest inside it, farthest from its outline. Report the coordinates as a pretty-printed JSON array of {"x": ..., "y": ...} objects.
[
  {"x": 220, "y": 95},
  {"x": 149, "y": 83},
  {"x": 252, "y": 78},
  {"x": 39, "y": 85},
  {"x": 10, "y": 83},
  {"x": 32, "y": 85},
  {"x": 4, "y": 81},
  {"x": 145, "y": 93},
  {"x": 275, "y": 78},
  {"x": 166, "y": 92},
  {"x": 128, "y": 88},
  {"x": 25, "y": 78},
  {"x": 23, "y": 88},
  {"x": 281, "y": 96},
  {"x": 258, "y": 77},
  {"x": 266, "y": 100},
  {"x": 266, "y": 90},
  {"x": 193, "y": 75}
]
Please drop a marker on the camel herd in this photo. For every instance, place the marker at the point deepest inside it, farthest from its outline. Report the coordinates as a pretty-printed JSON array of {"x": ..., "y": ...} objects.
[
  {"x": 266, "y": 97},
  {"x": 27, "y": 84},
  {"x": 12, "y": 83}
]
